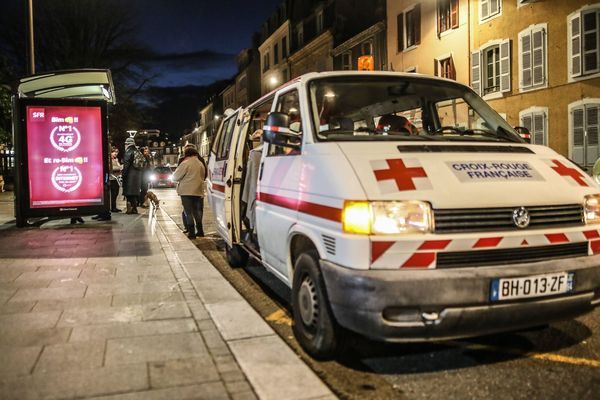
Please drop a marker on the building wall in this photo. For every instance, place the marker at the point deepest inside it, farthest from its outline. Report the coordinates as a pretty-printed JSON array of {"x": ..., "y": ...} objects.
[
  {"x": 354, "y": 47},
  {"x": 559, "y": 92},
  {"x": 314, "y": 56},
  {"x": 421, "y": 58},
  {"x": 229, "y": 97},
  {"x": 276, "y": 73}
]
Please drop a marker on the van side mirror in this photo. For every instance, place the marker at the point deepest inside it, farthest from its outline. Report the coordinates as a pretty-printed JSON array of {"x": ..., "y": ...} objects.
[
  {"x": 277, "y": 131},
  {"x": 523, "y": 133}
]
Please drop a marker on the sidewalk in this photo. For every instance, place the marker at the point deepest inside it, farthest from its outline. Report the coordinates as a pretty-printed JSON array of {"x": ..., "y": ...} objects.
[{"x": 117, "y": 310}]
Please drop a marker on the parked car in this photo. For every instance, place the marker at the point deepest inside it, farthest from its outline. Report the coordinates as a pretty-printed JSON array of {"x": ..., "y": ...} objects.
[
  {"x": 404, "y": 208},
  {"x": 162, "y": 177}
]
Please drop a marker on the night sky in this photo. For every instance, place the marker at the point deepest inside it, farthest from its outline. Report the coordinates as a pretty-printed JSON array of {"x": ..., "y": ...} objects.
[{"x": 197, "y": 40}]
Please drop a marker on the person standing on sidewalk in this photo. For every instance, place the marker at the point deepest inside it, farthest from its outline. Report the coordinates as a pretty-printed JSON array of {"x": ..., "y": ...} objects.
[
  {"x": 189, "y": 176},
  {"x": 132, "y": 175},
  {"x": 115, "y": 179},
  {"x": 146, "y": 173}
]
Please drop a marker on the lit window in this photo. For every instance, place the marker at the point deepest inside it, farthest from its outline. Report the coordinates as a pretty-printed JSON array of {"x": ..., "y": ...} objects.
[
  {"x": 447, "y": 15},
  {"x": 445, "y": 68}
]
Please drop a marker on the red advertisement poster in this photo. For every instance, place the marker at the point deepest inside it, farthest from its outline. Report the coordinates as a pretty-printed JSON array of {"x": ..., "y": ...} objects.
[{"x": 64, "y": 147}]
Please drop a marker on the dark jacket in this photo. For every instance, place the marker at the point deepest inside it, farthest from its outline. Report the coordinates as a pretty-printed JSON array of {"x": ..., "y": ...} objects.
[{"x": 132, "y": 177}]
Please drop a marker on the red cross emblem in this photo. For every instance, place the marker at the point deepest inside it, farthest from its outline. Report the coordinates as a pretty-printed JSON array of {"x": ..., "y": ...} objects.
[
  {"x": 402, "y": 174},
  {"x": 563, "y": 170}
]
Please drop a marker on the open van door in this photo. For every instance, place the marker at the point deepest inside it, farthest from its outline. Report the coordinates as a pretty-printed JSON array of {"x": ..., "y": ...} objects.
[{"x": 221, "y": 175}]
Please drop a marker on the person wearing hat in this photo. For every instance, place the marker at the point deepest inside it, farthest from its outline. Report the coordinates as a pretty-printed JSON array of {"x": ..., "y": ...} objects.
[{"x": 132, "y": 176}]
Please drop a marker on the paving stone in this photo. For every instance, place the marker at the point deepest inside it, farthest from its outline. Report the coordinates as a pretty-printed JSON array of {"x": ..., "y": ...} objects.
[
  {"x": 204, "y": 391},
  {"x": 106, "y": 289},
  {"x": 48, "y": 293},
  {"x": 34, "y": 337},
  {"x": 28, "y": 284},
  {"x": 237, "y": 387},
  {"x": 166, "y": 310},
  {"x": 16, "y": 361},
  {"x": 76, "y": 303},
  {"x": 144, "y": 298},
  {"x": 61, "y": 357},
  {"x": 101, "y": 315},
  {"x": 248, "y": 395},
  {"x": 28, "y": 321},
  {"x": 76, "y": 383},
  {"x": 182, "y": 372},
  {"x": 9, "y": 275},
  {"x": 17, "y": 307},
  {"x": 6, "y": 294},
  {"x": 202, "y": 270},
  {"x": 108, "y": 331},
  {"x": 154, "y": 348},
  {"x": 232, "y": 376},
  {"x": 268, "y": 359},
  {"x": 49, "y": 275},
  {"x": 238, "y": 320},
  {"x": 213, "y": 339},
  {"x": 213, "y": 291}
]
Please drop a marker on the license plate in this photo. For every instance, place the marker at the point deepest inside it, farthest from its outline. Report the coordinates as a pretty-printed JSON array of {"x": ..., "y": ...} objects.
[{"x": 531, "y": 286}]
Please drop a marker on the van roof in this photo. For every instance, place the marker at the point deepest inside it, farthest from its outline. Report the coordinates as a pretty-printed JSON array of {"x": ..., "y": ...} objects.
[{"x": 312, "y": 75}]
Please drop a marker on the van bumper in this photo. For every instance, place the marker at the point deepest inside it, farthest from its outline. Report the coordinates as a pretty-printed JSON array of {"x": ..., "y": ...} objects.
[{"x": 433, "y": 304}]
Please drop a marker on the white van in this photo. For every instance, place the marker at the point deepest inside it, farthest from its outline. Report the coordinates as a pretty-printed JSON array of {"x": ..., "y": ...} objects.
[{"x": 404, "y": 208}]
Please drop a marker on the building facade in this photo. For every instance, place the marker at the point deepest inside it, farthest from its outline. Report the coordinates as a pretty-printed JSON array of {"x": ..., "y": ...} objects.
[
  {"x": 370, "y": 42},
  {"x": 274, "y": 52},
  {"x": 247, "y": 81},
  {"x": 536, "y": 62}
]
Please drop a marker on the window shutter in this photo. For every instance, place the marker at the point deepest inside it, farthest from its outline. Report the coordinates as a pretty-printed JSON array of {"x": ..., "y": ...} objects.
[
  {"x": 539, "y": 56},
  {"x": 494, "y": 6},
  {"x": 485, "y": 4},
  {"x": 590, "y": 47},
  {"x": 578, "y": 126},
  {"x": 592, "y": 117},
  {"x": 527, "y": 122},
  {"x": 417, "y": 22},
  {"x": 539, "y": 128},
  {"x": 436, "y": 67},
  {"x": 505, "y": 66},
  {"x": 575, "y": 40},
  {"x": 400, "y": 25},
  {"x": 454, "y": 13},
  {"x": 526, "y": 69},
  {"x": 476, "y": 72}
]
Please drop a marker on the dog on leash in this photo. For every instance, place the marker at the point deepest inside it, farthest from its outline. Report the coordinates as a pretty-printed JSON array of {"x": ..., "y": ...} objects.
[{"x": 151, "y": 196}]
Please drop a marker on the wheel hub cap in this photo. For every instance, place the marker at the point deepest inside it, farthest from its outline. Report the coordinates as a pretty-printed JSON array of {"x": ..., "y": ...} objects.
[{"x": 307, "y": 296}]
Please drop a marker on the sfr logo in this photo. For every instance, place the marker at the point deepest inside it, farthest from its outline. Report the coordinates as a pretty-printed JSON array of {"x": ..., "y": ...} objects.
[{"x": 37, "y": 114}]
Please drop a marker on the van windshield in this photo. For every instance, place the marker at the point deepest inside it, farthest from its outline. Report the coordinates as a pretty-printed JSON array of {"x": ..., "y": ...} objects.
[{"x": 384, "y": 108}]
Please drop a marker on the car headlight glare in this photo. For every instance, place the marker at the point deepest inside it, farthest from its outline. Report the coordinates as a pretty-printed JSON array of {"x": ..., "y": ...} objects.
[
  {"x": 152, "y": 177},
  {"x": 591, "y": 210},
  {"x": 387, "y": 217},
  {"x": 171, "y": 177}
]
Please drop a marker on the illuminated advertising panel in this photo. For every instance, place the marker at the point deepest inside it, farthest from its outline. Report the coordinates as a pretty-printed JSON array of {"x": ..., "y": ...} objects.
[{"x": 64, "y": 156}]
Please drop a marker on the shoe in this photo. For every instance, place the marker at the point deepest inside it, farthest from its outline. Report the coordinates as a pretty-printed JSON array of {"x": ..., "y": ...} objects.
[
  {"x": 116, "y": 210},
  {"x": 104, "y": 218},
  {"x": 191, "y": 236},
  {"x": 200, "y": 234},
  {"x": 76, "y": 220},
  {"x": 96, "y": 217},
  {"x": 185, "y": 230},
  {"x": 134, "y": 210}
]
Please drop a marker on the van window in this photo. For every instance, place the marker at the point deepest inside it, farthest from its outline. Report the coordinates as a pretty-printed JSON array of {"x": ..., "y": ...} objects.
[
  {"x": 258, "y": 117},
  {"x": 217, "y": 139},
  {"x": 227, "y": 134},
  {"x": 289, "y": 103},
  {"x": 365, "y": 108}
]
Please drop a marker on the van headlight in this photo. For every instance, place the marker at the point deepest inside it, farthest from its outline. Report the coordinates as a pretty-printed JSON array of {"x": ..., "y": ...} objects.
[
  {"x": 387, "y": 217},
  {"x": 591, "y": 209},
  {"x": 153, "y": 178}
]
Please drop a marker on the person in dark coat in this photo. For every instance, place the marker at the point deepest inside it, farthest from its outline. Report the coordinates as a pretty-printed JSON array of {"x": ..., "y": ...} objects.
[
  {"x": 146, "y": 173},
  {"x": 132, "y": 177}
]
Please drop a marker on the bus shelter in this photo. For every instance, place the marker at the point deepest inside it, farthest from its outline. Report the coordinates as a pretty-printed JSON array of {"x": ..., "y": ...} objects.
[{"x": 61, "y": 147}]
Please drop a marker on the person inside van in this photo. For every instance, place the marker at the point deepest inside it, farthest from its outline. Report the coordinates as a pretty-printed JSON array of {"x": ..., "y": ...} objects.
[
  {"x": 396, "y": 124},
  {"x": 251, "y": 181}
]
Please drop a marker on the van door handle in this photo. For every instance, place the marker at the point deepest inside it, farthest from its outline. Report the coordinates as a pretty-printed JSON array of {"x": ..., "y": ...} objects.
[
  {"x": 228, "y": 182},
  {"x": 260, "y": 171}
]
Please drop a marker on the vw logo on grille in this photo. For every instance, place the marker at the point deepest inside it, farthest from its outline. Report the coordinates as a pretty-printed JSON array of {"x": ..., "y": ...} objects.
[{"x": 521, "y": 217}]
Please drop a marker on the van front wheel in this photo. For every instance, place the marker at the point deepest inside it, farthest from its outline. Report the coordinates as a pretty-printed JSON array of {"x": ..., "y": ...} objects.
[
  {"x": 237, "y": 257},
  {"x": 314, "y": 325}
]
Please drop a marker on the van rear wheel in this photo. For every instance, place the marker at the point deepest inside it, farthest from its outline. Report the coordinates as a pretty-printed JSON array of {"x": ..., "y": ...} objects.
[
  {"x": 237, "y": 257},
  {"x": 314, "y": 325}
]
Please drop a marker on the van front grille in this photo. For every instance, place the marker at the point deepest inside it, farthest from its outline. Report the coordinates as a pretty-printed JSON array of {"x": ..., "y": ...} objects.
[
  {"x": 456, "y": 259},
  {"x": 500, "y": 219}
]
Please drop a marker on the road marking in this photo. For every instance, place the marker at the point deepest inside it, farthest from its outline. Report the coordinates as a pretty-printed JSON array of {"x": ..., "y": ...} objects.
[
  {"x": 538, "y": 356},
  {"x": 280, "y": 317}
]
